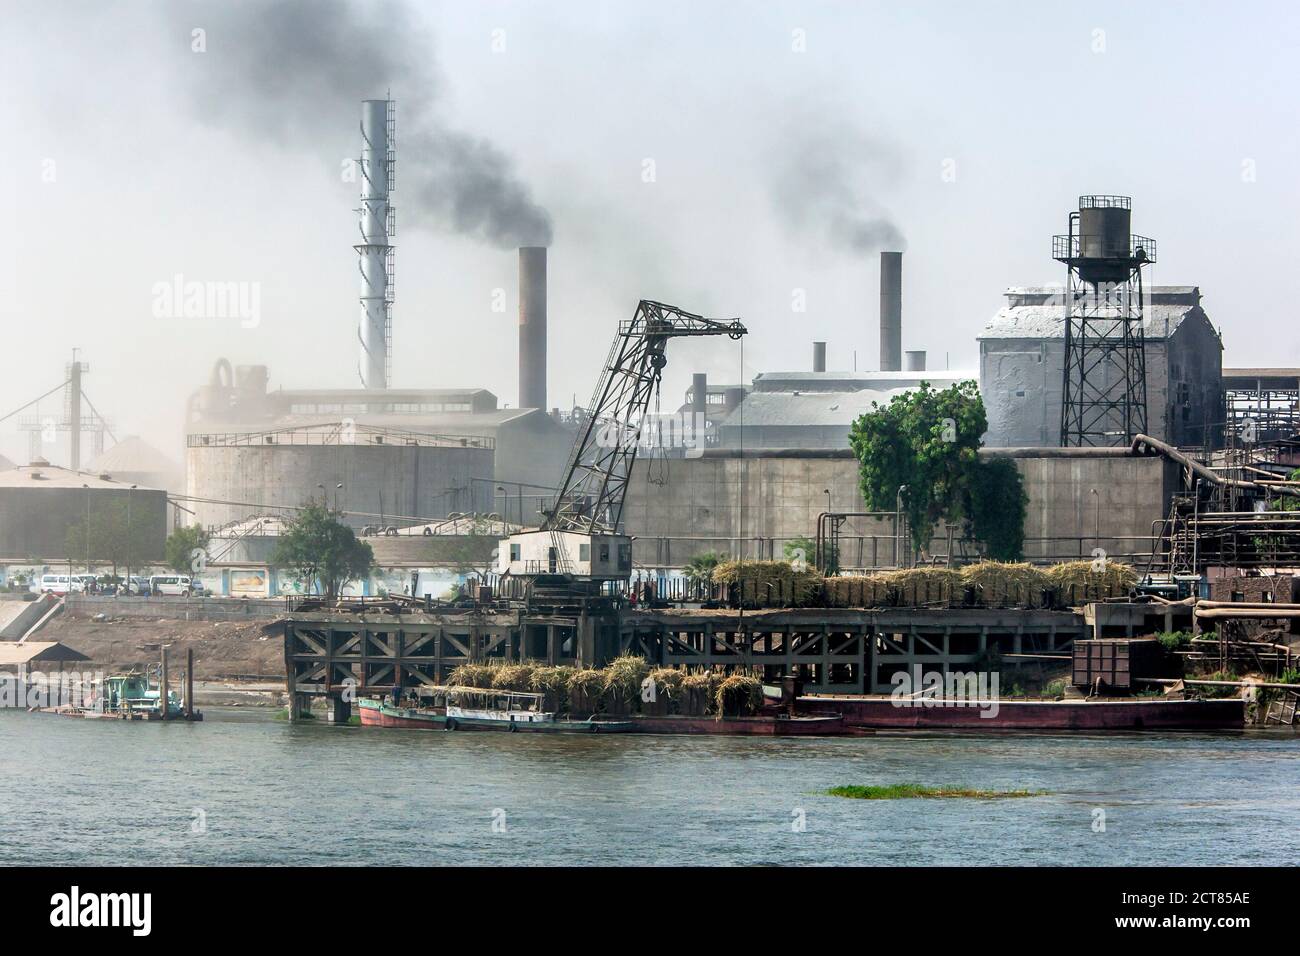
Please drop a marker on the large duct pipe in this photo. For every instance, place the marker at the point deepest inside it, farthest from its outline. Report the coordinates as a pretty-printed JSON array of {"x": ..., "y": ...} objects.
[
  {"x": 914, "y": 361},
  {"x": 374, "y": 248},
  {"x": 819, "y": 356},
  {"x": 532, "y": 327},
  {"x": 891, "y": 311}
]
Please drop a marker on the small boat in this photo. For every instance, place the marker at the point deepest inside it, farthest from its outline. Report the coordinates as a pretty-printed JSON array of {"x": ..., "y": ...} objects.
[
  {"x": 471, "y": 708},
  {"x": 129, "y": 696}
]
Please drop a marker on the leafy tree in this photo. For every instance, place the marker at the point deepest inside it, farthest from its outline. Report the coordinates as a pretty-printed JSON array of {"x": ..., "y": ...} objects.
[
  {"x": 928, "y": 440},
  {"x": 113, "y": 539},
  {"x": 699, "y": 569},
  {"x": 178, "y": 553},
  {"x": 996, "y": 509},
  {"x": 322, "y": 550}
]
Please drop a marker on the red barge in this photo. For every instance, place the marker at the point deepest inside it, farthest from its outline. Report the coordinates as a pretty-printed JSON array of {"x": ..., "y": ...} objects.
[{"x": 1113, "y": 714}]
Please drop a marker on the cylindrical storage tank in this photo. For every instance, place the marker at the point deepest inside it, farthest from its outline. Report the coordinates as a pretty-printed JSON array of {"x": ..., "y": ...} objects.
[
  {"x": 819, "y": 356},
  {"x": 915, "y": 360},
  {"x": 532, "y": 327},
  {"x": 891, "y": 311},
  {"x": 1104, "y": 227}
]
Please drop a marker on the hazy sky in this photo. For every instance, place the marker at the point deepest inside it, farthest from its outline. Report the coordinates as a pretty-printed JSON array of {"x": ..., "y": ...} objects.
[{"x": 785, "y": 141}]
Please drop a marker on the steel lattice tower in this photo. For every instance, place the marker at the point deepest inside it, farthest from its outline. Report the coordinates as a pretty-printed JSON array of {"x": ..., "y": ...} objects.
[{"x": 1104, "y": 397}]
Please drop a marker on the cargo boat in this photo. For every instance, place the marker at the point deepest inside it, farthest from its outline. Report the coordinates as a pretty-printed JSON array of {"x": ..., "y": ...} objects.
[
  {"x": 509, "y": 711},
  {"x": 1111, "y": 714}
]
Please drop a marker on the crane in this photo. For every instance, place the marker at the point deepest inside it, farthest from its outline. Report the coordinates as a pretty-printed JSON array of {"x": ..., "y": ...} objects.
[{"x": 580, "y": 535}]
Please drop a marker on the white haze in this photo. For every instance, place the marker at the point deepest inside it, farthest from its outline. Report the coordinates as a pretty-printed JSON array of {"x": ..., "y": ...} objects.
[{"x": 153, "y": 178}]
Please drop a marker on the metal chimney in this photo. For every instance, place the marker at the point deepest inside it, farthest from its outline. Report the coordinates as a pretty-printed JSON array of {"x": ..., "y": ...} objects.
[
  {"x": 891, "y": 311},
  {"x": 532, "y": 327},
  {"x": 915, "y": 360},
  {"x": 819, "y": 356},
  {"x": 699, "y": 405},
  {"x": 374, "y": 332}
]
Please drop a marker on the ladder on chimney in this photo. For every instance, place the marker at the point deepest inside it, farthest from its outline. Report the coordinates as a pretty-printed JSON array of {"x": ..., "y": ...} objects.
[{"x": 390, "y": 227}]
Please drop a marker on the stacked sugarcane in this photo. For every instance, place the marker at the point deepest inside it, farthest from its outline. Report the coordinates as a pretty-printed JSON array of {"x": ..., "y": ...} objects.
[
  {"x": 1005, "y": 584},
  {"x": 1082, "y": 581},
  {"x": 768, "y": 583}
]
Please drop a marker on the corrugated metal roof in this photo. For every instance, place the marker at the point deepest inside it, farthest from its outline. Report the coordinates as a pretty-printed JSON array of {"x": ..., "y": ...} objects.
[
  {"x": 855, "y": 381},
  {"x": 1037, "y": 312},
  {"x": 52, "y": 476},
  {"x": 816, "y": 408},
  {"x": 11, "y": 652}
]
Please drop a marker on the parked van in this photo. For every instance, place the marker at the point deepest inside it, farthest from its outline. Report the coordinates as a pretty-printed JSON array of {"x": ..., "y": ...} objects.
[
  {"x": 56, "y": 584},
  {"x": 180, "y": 584}
]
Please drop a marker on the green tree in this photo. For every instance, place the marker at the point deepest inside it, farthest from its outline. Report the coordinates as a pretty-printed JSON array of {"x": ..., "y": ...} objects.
[
  {"x": 179, "y": 551},
  {"x": 699, "y": 569},
  {"x": 928, "y": 441},
  {"x": 113, "y": 538},
  {"x": 996, "y": 510},
  {"x": 322, "y": 550},
  {"x": 806, "y": 548}
]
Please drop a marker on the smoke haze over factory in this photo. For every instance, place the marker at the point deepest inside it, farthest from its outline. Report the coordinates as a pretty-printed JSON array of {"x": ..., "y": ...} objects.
[{"x": 137, "y": 157}]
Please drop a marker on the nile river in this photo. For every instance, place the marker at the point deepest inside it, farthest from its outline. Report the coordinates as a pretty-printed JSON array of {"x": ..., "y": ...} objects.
[{"x": 244, "y": 788}]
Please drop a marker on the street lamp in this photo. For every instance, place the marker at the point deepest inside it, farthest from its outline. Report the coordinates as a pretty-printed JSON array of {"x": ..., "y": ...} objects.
[
  {"x": 898, "y": 525},
  {"x": 129, "y": 539},
  {"x": 1096, "y": 528}
]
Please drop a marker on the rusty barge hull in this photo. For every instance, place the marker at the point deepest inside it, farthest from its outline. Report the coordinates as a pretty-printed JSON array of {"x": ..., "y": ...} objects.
[{"x": 884, "y": 713}]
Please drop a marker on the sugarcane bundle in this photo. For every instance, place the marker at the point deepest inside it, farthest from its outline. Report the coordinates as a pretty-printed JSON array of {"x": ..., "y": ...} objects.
[
  {"x": 768, "y": 583},
  {"x": 699, "y": 692},
  {"x": 1006, "y": 583},
  {"x": 517, "y": 677},
  {"x": 553, "y": 682},
  {"x": 473, "y": 675},
  {"x": 1092, "y": 580},
  {"x": 666, "y": 684},
  {"x": 919, "y": 587},
  {"x": 586, "y": 688},
  {"x": 866, "y": 590},
  {"x": 738, "y": 696},
  {"x": 622, "y": 686}
]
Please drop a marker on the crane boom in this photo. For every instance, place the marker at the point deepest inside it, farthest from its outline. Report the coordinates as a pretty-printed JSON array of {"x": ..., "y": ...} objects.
[{"x": 591, "y": 496}]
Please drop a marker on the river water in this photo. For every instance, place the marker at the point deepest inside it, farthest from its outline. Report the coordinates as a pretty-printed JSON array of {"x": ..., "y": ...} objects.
[{"x": 245, "y": 788}]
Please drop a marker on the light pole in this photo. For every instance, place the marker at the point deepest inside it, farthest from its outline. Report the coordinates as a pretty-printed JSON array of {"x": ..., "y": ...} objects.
[
  {"x": 504, "y": 494},
  {"x": 87, "y": 487},
  {"x": 129, "y": 540},
  {"x": 1096, "y": 527},
  {"x": 898, "y": 525}
]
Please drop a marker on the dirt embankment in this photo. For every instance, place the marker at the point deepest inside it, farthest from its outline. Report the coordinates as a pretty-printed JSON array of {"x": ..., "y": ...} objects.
[{"x": 223, "y": 651}]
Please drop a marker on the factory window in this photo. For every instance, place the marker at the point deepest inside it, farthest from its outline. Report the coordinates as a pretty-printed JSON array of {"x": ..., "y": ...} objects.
[
  {"x": 584, "y": 552},
  {"x": 604, "y": 554},
  {"x": 625, "y": 557},
  {"x": 514, "y": 552}
]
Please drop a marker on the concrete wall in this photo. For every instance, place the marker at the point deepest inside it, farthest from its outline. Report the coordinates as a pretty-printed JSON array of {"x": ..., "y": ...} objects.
[
  {"x": 1194, "y": 397},
  {"x": 418, "y": 481},
  {"x": 751, "y": 506},
  {"x": 34, "y": 522}
]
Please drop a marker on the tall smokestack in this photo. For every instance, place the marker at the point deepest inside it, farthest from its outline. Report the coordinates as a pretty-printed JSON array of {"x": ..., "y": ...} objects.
[
  {"x": 699, "y": 405},
  {"x": 891, "y": 312},
  {"x": 819, "y": 356},
  {"x": 532, "y": 327},
  {"x": 374, "y": 331}
]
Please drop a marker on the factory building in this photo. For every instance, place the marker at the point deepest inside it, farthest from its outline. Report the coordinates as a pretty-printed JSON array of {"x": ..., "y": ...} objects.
[
  {"x": 41, "y": 503},
  {"x": 816, "y": 409},
  {"x": 401, "y": 455},
  {"x": 1022, "y": 363}
]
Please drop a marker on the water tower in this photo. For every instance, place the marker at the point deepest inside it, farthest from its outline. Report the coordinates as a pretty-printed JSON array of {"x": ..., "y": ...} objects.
[{"x": 1104, "y": 399}]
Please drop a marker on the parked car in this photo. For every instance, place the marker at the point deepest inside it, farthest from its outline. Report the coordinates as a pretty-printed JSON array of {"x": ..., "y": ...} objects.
[
  {"x": 181, "y": 584},
  {"x": 138, "y": 586}
]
